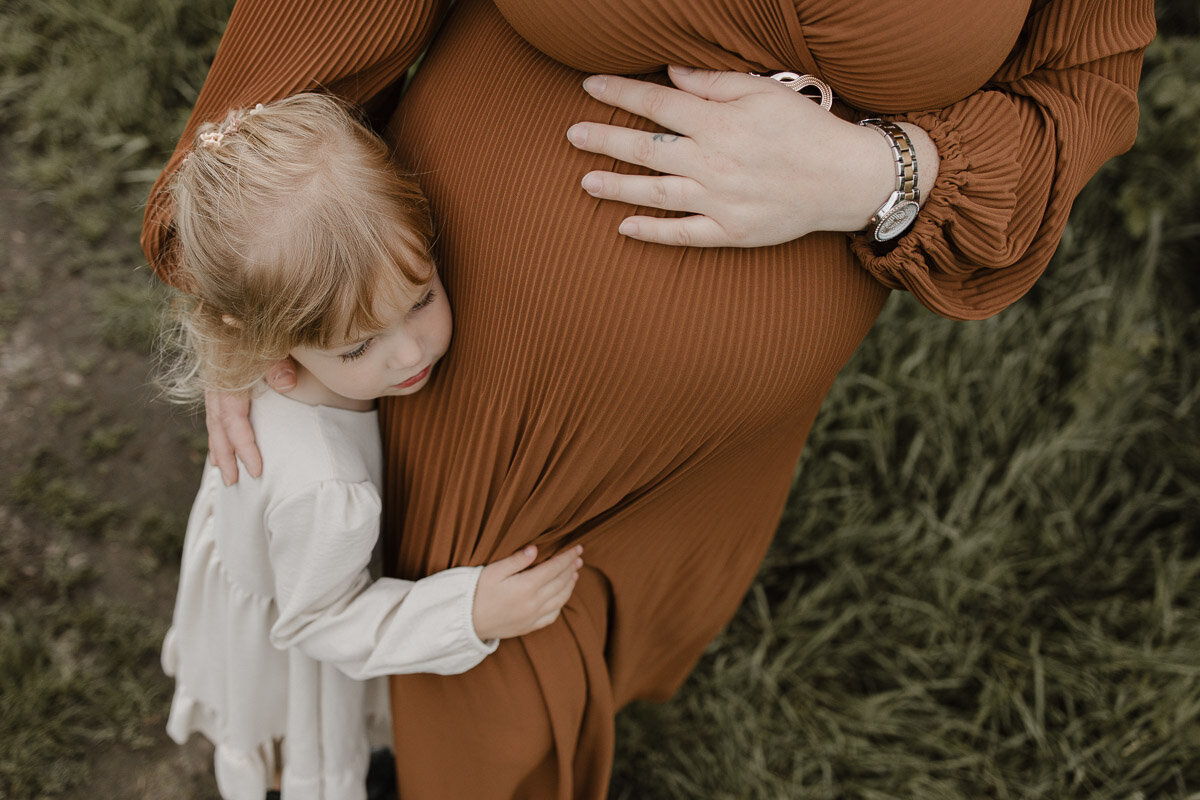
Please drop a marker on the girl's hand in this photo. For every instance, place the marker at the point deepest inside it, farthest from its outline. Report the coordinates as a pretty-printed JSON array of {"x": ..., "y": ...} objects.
[
  {"x": 752, "y": 161},
  {"x": 511, "y": 600},
  {"x": 230, "y": 436}
]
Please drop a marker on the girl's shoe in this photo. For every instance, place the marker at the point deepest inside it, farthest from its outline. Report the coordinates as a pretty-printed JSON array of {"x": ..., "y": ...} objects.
[{"x": 381, "y": 775}]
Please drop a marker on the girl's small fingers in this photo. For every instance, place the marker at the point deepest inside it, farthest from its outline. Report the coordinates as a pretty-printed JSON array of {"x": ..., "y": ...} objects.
[
  {"x": 545, "y": 620},
  {"x": 556, "y": 595},
  {"x": 517, "y": 562},
  {"x": 551, "y": 567},
  {"x": 668, "y": 192},
  {"x": 556, "y": 583}
]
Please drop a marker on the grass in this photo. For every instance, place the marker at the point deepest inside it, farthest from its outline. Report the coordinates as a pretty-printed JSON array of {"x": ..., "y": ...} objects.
[{"x": 987, "y": 580}]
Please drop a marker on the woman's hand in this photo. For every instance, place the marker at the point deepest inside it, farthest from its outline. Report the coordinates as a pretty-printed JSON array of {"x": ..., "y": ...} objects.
[
  {"x": 511, "y": 600},
  {"x": 230, "y": 436},
  {"x": 754, "y": 163}
]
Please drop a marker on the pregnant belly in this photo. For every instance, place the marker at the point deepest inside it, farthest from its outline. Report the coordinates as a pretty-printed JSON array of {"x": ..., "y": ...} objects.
[{"x": 568, "y": 335}]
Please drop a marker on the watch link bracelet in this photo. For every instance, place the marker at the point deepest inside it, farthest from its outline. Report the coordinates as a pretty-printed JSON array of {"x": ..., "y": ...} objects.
[{"x": 899, "y": 211}]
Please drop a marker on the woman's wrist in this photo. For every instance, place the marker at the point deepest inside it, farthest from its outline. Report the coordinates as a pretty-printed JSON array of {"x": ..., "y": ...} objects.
[
  {"x": 874, "y": 172},
  {"x": 926, "y": 156}
]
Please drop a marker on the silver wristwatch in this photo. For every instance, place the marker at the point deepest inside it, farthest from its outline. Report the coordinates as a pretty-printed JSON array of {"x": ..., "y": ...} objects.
[{"x": 899, "y": 212}]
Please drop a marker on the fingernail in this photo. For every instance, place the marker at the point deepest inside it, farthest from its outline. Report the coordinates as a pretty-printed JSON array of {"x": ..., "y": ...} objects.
[
  {"x": 577, "y": 134},
  {"x": 628, "y": 227},
  {"x": 594, "y": 84},
  {"x": 226, "y": 479},
  {"x": 592, "y": 183},
  {"x": 682, "y": 70}
]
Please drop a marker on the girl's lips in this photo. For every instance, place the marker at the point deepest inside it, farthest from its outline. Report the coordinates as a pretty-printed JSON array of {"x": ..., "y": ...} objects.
[{"x": 414, "y": 380}]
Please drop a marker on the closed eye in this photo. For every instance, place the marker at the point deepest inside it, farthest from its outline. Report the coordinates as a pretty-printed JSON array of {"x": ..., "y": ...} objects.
[
  {"x": 357, "y": 352},
  {"x": 424, "y": 301}
]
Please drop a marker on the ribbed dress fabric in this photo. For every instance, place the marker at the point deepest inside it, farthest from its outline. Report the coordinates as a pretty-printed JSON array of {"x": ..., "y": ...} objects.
[{"x": 651, "y": 402}]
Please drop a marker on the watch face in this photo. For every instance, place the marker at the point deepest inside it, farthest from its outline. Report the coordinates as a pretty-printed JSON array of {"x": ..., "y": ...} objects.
[{"x": 896, "y": 221}]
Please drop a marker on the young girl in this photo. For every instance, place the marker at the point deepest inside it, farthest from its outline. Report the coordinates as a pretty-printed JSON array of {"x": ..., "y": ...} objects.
[{"x": 296, "y": 236}]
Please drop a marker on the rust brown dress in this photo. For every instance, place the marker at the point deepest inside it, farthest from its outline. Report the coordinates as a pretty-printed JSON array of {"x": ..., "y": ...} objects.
[{"x": 648, "y": 401}]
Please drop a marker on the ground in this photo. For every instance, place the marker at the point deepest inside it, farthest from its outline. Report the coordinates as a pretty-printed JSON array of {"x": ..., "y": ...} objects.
[{"x": 89, "y": 459}]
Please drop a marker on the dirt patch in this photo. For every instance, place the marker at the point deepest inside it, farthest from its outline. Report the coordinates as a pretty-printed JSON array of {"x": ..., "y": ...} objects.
[{"x": 96, "y": 477}]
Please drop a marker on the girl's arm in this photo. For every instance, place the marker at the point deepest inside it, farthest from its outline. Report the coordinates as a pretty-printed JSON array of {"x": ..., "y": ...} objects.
[{"x": 331, "y": 610}]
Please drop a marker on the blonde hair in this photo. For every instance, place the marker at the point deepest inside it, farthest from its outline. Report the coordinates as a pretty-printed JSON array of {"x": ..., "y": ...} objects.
[{"x": 291, "y": 222}]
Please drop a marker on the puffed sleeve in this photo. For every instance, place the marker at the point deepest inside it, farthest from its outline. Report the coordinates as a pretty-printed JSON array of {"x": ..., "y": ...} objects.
[
  {"x": 274, "y": 48},
  {"x": 1014, "y": 155},
  {"x": 320, "y": 543}
]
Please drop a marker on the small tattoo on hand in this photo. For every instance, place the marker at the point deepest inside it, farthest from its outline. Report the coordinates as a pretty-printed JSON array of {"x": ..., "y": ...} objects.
[{"x": 666, "y": 137}]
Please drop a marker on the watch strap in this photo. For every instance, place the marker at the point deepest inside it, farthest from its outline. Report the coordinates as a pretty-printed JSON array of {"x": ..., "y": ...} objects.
[
  {"x": 904, "y": 154},
  {"x": 905, "y": 159}
]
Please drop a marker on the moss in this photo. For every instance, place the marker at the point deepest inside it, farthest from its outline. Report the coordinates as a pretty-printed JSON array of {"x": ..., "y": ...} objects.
[
  {"x": 108, "y": 440},
  {"x": 44, "y": 488}
]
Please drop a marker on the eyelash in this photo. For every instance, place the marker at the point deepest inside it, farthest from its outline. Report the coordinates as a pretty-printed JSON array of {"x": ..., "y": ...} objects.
[
  {"x": 357, "y": 352},
  {"x": 424, "y": 301},
  {"x": 361, "y": 350}
]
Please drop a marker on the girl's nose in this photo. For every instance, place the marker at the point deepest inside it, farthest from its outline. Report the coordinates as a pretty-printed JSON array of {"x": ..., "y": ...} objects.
[{"x": 406, "y": 351}]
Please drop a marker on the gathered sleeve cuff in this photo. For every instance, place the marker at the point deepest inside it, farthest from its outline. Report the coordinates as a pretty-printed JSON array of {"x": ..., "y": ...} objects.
[
  {"x": 356, "y": 49},
  {"x": 1014, "y": 155}
]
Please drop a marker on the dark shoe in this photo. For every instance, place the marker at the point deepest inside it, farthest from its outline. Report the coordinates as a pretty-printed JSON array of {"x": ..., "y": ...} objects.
[
  {"x": 381, "y": 775},
  {"x": 272, "y": 794}
]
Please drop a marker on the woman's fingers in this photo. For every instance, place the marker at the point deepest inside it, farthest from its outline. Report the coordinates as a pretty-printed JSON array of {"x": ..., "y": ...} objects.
[
  {"x": 693, "y": 231},
  {"x": 715, "y": 85},
  {"x": 669, "y": 107},
  {"x": 220, "y": 450},
  {"x": 758, "y": 163},
  {"x": 667, "y": 192},
  {"x": 662, "y": 152},
  {"x": 230, "y": 436},
  {"x": 234, "y": 419}
]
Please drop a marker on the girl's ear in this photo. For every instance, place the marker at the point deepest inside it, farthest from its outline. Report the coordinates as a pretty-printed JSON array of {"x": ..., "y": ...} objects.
[{"x": 230, "y": 321}]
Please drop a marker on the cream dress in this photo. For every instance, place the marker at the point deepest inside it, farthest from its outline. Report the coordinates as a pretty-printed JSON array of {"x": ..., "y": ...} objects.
[{"x": 279, "y": 630}]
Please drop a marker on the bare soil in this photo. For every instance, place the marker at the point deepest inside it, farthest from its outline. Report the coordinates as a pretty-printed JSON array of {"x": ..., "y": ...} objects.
[{"x": 63, "y": 388}]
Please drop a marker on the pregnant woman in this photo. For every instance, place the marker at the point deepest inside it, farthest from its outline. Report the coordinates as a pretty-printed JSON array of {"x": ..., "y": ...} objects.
[{"x": 648, "y": 400}]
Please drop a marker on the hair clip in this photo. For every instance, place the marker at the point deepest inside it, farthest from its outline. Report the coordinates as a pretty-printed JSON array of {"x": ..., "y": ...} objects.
[{"x": 212, "y": 138}]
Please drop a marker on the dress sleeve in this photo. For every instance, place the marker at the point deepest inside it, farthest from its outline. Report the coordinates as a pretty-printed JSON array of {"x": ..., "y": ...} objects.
[
  {"x": 330, "y": 609},
  {"x": 1014, "y": 155},
  {"x": 356, "y": 49}
]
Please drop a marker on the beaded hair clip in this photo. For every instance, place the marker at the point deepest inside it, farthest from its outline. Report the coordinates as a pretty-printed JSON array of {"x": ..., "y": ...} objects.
[{"x": 230, "y": 126}]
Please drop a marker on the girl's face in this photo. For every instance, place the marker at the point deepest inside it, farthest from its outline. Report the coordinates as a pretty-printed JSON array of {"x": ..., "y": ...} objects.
[{"x": 396, "y": 361}]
